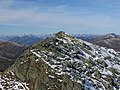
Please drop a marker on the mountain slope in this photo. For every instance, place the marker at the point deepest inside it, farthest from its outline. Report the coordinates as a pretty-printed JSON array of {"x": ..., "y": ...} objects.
[
  {"x": 64, "y": 63},
  {"x": 109, "y": 40},
  {"x": 8, "y": 53}
]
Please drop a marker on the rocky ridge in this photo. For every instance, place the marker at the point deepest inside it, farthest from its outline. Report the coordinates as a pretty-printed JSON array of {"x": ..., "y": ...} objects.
[{"x": 64, "y": 63}]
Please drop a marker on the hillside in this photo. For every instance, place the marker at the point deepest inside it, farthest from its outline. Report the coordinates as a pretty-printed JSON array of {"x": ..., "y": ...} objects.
[
  {"x": 64, "y": 63},
  {"x": 8, "y": 53},
  {"x": 109, "y": 40}
]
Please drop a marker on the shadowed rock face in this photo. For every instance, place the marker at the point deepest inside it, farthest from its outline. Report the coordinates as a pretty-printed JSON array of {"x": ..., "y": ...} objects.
[
  {"x": 64, "y": 63},
  {"x": 109, "y": 40},
  {"x": 8, "y": 53}
]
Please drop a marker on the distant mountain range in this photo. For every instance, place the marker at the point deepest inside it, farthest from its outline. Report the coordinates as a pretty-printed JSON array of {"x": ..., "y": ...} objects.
[
  {"x": 110, "y": 40},
  {"x": 85, "y": 37},
  {"x": 29, "y": 39},
  {"x": 63, "y": 62},
  {"x": 26, "y": 39}
]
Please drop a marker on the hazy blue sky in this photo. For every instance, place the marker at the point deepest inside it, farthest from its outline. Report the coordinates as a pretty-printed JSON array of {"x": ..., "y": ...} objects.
[{"x": 47, "y": 16}]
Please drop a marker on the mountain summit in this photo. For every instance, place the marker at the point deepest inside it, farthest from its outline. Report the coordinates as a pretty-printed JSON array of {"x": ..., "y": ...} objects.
[{"x": 64, "y": 63}]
